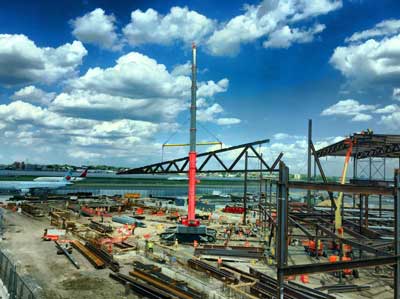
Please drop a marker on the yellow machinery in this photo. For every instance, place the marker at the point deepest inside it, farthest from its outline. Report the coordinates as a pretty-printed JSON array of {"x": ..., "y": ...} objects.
[
  {"x": 339, "y": 200},
  {"x": 187, "y": 144}
]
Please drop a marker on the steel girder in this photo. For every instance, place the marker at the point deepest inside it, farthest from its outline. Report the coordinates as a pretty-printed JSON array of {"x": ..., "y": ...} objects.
[
  {"x": 366, "y": 146},
  {"x": 326, "y": 267},
  {"x": 384, "y": 151},
  {"x": 172, "y": 166},
  {"x": 348, "y": 188}
]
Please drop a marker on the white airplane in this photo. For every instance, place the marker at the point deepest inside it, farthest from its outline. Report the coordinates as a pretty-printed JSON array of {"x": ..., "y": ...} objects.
[
  {"x": 29, "y": 186},
  {"x": 68, "y": 177}
]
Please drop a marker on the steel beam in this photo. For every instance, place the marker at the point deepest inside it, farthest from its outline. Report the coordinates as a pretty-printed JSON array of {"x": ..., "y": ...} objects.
[
  {"x": 246, "y": 157},
  {"x": 324, "y": 179},
  {"x": 327, "y": 267},
  {"x": 348, "y": 188},
  {"x": 309, "y": 161},
  {"x": 361, "y": 246},
  {"x": 67, "y": 254},
  {"x": 397, "y": 233}
]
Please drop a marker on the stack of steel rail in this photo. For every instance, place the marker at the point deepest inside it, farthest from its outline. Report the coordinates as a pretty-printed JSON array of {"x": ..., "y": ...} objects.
[
  {"x": 104, "y": 255},
  {"x": 32, "y": 210},
  {"x": 343, "y": 288},
  {"x": 100, "y": 227},
  {"x": 231, "y": 251},
  {"x": 266, "y": 288},
  {"x": 156, "y": 280},
  {"x": 219, "y": 274},
  {"x": 96, "y": 261},
  {"x": 141, "y": 288},
  {"x": 124, "y": 245}
]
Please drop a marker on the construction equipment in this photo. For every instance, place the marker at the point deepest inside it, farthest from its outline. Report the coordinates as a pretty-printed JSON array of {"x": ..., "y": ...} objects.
[
  {"x": 339, "y": 200},
  {"x": 190, "y": 229}
]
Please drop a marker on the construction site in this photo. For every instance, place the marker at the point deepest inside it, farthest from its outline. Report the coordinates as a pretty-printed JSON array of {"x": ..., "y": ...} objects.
[{"x": 341, "y": 241}]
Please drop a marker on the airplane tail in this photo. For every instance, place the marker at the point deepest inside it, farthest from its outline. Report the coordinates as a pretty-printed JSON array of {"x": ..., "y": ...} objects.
[
  {"x": 84, "y": 173},
  {"x": 68, "y": 176}
]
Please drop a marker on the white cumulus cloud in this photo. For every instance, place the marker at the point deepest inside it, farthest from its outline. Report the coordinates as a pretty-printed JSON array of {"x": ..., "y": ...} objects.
[
  {"x": 286, "y": 36},
  {"x": 134, "y": 75},
  {"x": 350, "y": 107},
  {"x": 33, "y": 94},
  {"x": 273, "y": 20},
  {"x": 91, "y": 104},
  {"x": 96, "y": 28},
  {"x": 371, "y": 57},
  {"x": 384, "y": 28},
  {"x": 25, "y": 124},
  {"x": 22, "y": 62},
  {"x": 180, "y": 24}
]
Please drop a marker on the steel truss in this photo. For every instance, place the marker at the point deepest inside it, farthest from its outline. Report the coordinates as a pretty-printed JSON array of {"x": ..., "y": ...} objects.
[{"x": 181, "y": 165}]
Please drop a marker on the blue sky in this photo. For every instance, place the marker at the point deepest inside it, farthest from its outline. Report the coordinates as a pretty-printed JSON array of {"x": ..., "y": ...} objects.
[{"x": 108, "y": 81}]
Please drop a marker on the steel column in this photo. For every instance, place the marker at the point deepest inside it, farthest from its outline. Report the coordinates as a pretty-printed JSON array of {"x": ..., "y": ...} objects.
[
  {"x": 282, "y": 225},
  {"x": 397, "y": 233},
  {"x": 309, "y": 161},
  {"x": 245, "y": 189}
]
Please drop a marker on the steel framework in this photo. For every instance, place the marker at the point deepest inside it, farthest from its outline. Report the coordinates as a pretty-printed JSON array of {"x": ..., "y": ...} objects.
[{"x": 315, "y": 225}]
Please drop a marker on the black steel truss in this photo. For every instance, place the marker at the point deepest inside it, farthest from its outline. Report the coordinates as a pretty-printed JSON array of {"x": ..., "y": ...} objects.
[
  {"x": 383, "y": 151},
  {"x": 365, "y": 146},
  {"x": 172, "y": 166}
]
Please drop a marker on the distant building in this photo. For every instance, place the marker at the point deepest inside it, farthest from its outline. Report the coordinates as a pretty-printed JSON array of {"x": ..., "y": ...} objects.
[{"x": 297, "y": 176}]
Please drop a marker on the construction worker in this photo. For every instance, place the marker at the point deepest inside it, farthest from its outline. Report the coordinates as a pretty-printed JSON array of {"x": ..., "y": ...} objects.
[
  {"x": 219, "y": 262},
  {"x": 133, "y": 227},
  {"x": 225, "y": 234},
  {"x": 146, "y": 247},
  {"x": 150, "y": 246}
]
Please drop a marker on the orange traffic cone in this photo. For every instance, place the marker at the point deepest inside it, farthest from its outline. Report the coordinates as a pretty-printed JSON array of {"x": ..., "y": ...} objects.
[
  {"x": 304, "y": 278},
  {"x": 290, "y": 277}
]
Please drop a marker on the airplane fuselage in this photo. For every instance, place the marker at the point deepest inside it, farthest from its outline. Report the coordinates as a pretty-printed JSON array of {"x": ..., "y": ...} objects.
[{"x": 29, "y": 185}]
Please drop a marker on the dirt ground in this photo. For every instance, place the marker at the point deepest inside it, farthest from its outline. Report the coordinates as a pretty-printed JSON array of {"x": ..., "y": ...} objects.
[{"x": 52, "y": 275}]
